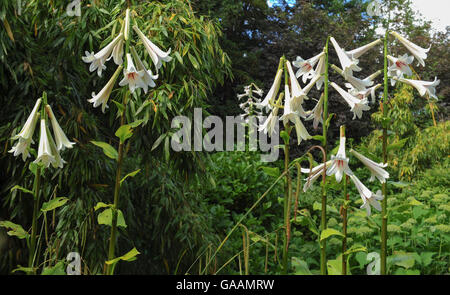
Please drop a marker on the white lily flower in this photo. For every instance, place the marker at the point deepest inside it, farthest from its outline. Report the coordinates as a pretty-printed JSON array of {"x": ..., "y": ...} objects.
[
  {"x": 367, "y": 196},
  {"x": 306, "y": 66},
  {"x": 290, "y": 115},
  {"x": 45, "y": 155},
  {"x": 376, "y": 169},
  {"x": 356, "y": 53},
  {"x": 269, "y": 125},
  {"x": 374, "y": 8},
  {"x": 246, "y": 92},
  {"x": 424, "y": 87},
  {"x": 98, "y": 60},
  {"x": 132, "y": 77},
  {"x": 62, "y": 141},
  {"x": 316, "y": 113},
  {"x": 103, "y": 96},
  {"x": 21, "y": 147},
  {"x": 319, "y": 72},
  {"x": 359, "y": 84},
  {"x": 348, "y": 65},
  {"x": 28, "y": 128},
  {"x": 59, "y": 162},
  {"x": 156, "y": 54},
  {"x": 117, "y": 53},
  {"x": 357, "y": 106},
  {"x": 339, "y": 162},
  {"x": 419, "y": 53},
  {"x": 400, "y": 66},
  {"x": 315, "y": 173},
  {"x": 271, "y": 95},
  {"x": 299, "y": 94},
  {"x": 148, "y": 78},
  {"x": 258, "y": 90},
  {"x": 364, "y": 93}
]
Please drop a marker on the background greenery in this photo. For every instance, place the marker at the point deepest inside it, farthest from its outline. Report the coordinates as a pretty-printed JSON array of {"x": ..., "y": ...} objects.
[{"x": 181, "y": 205}]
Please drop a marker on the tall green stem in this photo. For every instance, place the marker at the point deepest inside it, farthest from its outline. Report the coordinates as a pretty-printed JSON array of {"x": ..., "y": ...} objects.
[
  {"x": 112, "y": 241},
  {"x": 323, "y": 220},
  {"x": 37, "y": 184},
  {"x": 344, "y": 218},
  {"x": 385, "y": 158}
]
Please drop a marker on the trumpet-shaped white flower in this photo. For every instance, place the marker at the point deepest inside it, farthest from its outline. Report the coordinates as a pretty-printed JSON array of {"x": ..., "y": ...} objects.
[
  {"x": 132, "y": 77},
  {"x": 367, "y": 196},
  {"x": 357, "y": 106},
  {"x": 374, "y": 8},
  {"x": 400, "y": 66},
  {"x": 290, "y": 115},
  {"x": 98, "y": 59},
  {"x": 359, "y": 84},
  {"x": 424, "y": 87},
  {"x": 364, "y": 93},
  {"x": 299, "y": 94},
  {"x": 156, "y": 54},
  {"x": 270, "y": 97},
  {"x": 306, "y": 66},
  {"x": 356, "y": 53},
  {"x": 28, "y": 129},
  {"x": 59, "y": 162},
  {"x": 339, "y": 162},
  {"x": 348, "y": 65},
  {"x": 45, "y": 155},
  {"x": 376, "y": 169},
  {"x": 419, "y": 53},
  {"x": 269, "y": 125},
  {"x": 62, "y": 141},
  {"x": 102, "y": 97},
  {"x": 319, "y": 72},
  {"x": 21, "y": 147},
  {"x": 117, "y": 53},
  {"x": 148, "y": 77},
  {"x": 316, "y": 113},
  {"x": 314, "y": 173}
]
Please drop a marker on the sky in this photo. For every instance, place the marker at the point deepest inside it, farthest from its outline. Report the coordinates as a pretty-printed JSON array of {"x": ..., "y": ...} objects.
[{"x": 436, "y": 11}]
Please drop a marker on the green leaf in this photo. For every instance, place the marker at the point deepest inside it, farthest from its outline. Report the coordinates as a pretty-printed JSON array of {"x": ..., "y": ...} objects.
[
  {"x": 398, "y": 184},
  {"x": 131, "y": 174},
  {"x": 124, "y": 132},
  {"x": 16, "y": 229},
  {"x": 285, "y": 136},
  {"x": 120, "y": 106},
  {"x": 397, "y": 145},
  {"x": 319, "y": 138},
  {"x": 22, "y": 189},
  {"x": 106, "y": 218},
  {"x": 300, "y": 267},
  {"x": 272, "y": 171},
  {"x": 178, "y": 56},
  {"x": 107, "y": 149},
  {"x": 193, "y": 61},
  {"x": 130, "y": 256},
  {"x": 318, "y": 207},
  {"x": 56, "y": 270},
  {"x": 27, "y": 270},
  {"x": 53, "y": 204},
  {"x": 102, "y": 205},
  {"x": 158, "y": 141},
  {"x": 329, "y": 232},
  {"x": 402, "y": 259}
]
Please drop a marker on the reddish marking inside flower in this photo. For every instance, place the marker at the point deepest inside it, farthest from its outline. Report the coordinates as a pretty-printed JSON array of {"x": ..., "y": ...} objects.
[
  {"x": 340, "y": 163},
  {"x": 132, "y": 76},
  {"x": 307, "y": 66},
  {"x": 400, "y": 64}
]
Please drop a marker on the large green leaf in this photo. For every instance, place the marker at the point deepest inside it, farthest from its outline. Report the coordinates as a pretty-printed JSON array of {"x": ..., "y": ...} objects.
[
  {"x": 53, "y": 204},
  {"x": 16, "y": 229},
  {"x": 106, "y": 218},
  {"x": 107, "y": 149},
  {"x": 326, "y": 233}
]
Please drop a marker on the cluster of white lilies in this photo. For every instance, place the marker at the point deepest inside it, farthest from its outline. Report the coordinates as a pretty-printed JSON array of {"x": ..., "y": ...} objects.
[
  {"x": 356, "y": 96},
  {"x": 49, "y": 148},
  {"x": 135, "y": 75}
]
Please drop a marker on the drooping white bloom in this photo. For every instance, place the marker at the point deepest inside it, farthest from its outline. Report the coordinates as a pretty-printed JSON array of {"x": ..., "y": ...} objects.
[
  {"x": 319, "y": 72},
  {"x": 117, "y": 53},
  {"x": 315, "y": 173},
  {"x": 132, "y": 77},
  {"x": 271, "y": 95},
  {"x": 103, "y": 96},
  {"x": 356, "y": 53},
  {"x": 156, "y": 54},
  {"x": 376, "y": 169},
  {"x": 419, "y": 53},
  {"x": 339, "y": 162},
  {"x": 424, "y": 87},
  {"x": 148, "y": 77},
  {"x": 290, "y": 115},
  {"x": 306, "y": 66},
  {"x": 59, "y": 161},
  {"x": 21, "y": 147},
  {"x": 348, "y": 65},
  {"x": 354, "y": 82},
  {"x": 364, "y": 93},
  {"x": 45, "y": 155},
  {"x": 400, "y": 66},
  {"x": 357, "y": 106},
  {"x": 62, "y": 141},
  {"x": 367, "y": 196},
  {"x": 316, "y": 113},
  {"x": 374, "y": 8},
  {"x": 98, "y": 59},
  {"x": 28, "y": 128},
  {"x": 299, "y": 94},
  {"x": 269, "y": 125}
]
